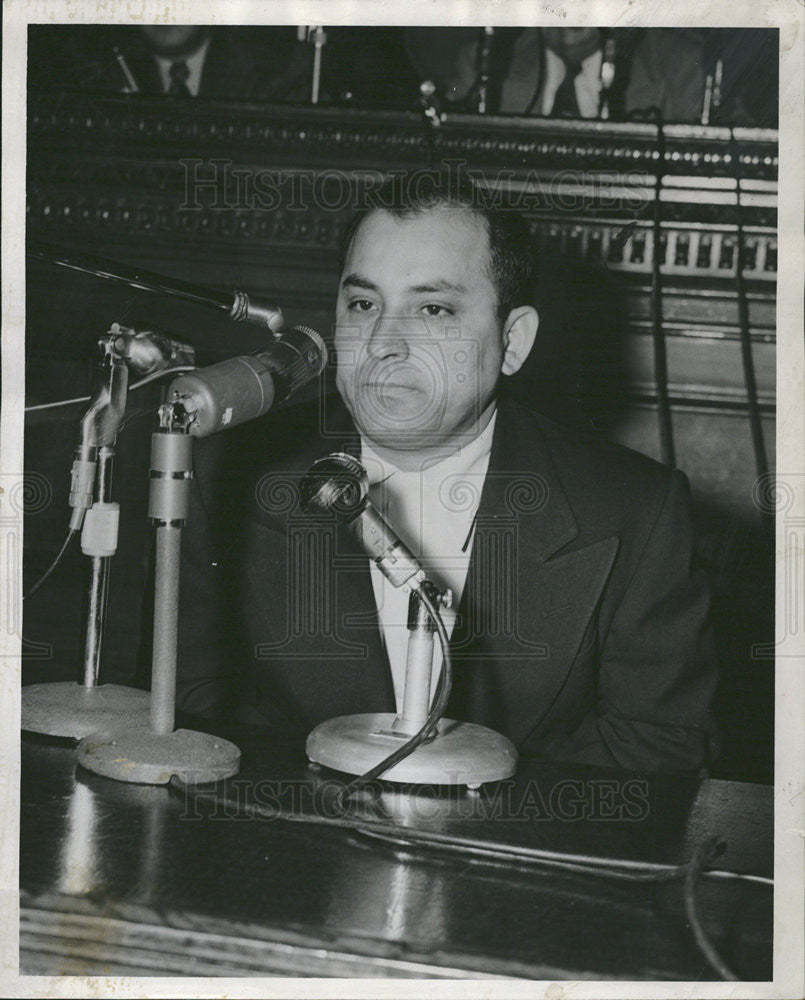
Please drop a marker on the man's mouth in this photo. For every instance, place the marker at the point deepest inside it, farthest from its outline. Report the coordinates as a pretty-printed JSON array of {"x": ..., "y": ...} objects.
[{"x": 384, "y": 386}]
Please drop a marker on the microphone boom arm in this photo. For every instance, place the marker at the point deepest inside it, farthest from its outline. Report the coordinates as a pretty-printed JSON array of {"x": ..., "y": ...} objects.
[{"x": 240, "y": 306}]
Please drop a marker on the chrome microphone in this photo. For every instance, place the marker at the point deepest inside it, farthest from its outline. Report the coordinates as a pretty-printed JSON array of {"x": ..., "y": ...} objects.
[
  {"x": 231, "y": 392},
  {"x": 338, "y": 484}
]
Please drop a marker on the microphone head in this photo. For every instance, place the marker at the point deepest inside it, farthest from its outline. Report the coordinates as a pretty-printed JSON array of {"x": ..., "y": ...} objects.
[
  {"x": 337, "y": 484},
  {"x": 243, "y": 388}
]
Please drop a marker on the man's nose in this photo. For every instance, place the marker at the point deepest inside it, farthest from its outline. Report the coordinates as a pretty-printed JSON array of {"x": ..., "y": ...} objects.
[{"x": 389, "y": 338}]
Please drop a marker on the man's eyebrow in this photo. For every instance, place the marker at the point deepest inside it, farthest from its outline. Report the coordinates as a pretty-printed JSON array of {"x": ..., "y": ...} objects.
[
  {"x": 442, "y": 285},
  {"x": 358, "y": 281},
  {"x": 355, "y": 280}
]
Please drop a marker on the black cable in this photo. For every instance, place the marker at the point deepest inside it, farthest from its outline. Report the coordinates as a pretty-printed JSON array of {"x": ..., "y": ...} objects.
[
  {"x": 491, "y": 853},
  {"x": 704, "y": 854},
  {"x": 753, "y": 408},
  {"x": 61, "y": 402},
  {"x": 657, "y": 333},
  {"x": 436, "y": 712},
  {"x": 53, "y": 565},
  {"x": 584, "y": 864},
  {"x": 716, "y": 962}
]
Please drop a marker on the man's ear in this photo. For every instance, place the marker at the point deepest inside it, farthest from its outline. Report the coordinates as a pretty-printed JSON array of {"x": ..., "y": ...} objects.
[{"x": 519, "y": 332}]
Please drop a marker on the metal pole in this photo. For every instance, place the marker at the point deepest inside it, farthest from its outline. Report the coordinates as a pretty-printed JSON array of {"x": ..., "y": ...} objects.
[
  {"x": 419, "y": 662},
  {"x": 657, "y": 333},
  {"x": 168, "y": 505},
  {"x": 99, "y": 580},
  {"x": 744, "y": 324},
  {"x": 319, "y": 38},
  {"x": 166, "y": 615}
]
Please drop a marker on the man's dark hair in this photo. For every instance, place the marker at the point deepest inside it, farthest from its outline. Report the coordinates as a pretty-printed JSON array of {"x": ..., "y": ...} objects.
[{"x": 512, "y": 266}]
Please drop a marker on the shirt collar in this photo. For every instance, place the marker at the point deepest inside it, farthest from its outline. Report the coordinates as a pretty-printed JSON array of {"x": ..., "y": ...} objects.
[
  {"x": 194, "y": 63},
  {"x": 462, "y": 461}
]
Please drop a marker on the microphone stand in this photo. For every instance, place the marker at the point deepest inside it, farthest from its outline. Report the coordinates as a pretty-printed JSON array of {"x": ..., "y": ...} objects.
[
  {"x": 419, "y": 660},
  {"x": 419, "y": 744},
  {"x": 317, "y": 37},
  {"x": 64, "y": 708},
  {"x": 239, "y": 306},
  {"x": 458, "y": 753},
  {"x": 153, "y": 754}
]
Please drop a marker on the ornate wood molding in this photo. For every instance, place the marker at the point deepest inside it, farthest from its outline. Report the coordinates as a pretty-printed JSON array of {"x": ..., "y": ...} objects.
[{"x": 116, "y": 168}]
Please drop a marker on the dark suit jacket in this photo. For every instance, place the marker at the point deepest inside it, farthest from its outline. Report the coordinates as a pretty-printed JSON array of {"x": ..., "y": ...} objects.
[
  {"x": 582, "y": 631},
  {"x": 267, "y": 64}
]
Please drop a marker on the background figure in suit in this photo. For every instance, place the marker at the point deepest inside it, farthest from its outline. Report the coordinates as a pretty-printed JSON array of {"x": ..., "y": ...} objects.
[
  {"x": 554, "y": 72},
  {"x": 549, "y": 72},
  {"x": 177, "y": 60},
  {"x": 670, "y": 67},
  {"x": 579, "y": 628}
]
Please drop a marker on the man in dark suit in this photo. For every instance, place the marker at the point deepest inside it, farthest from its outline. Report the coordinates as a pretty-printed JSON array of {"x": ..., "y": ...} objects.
[
  {"x": 579, "y": 628},
  {"x": 179, "y": 60}
]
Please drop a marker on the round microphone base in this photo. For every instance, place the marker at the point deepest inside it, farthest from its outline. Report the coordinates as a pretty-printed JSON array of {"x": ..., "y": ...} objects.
[
  {"x": 72, "y": 710},
  {"x": 462, "y": 754},
  {"x": 138, "y": 754}
]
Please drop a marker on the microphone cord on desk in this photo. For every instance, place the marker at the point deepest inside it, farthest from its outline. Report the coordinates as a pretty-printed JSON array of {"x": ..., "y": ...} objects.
[
  {"x": 697, "y": 864},
  {"x": 491, "y": 853}
]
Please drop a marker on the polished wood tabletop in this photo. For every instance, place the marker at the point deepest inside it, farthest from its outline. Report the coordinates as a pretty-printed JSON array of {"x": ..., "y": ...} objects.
[{"x": 262, "y": 875}]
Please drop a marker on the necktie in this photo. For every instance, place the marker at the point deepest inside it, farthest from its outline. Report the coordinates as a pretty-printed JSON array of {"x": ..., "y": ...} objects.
[
  {"x": 564, "y": 103},
  {"x": 179, "y": 73}
]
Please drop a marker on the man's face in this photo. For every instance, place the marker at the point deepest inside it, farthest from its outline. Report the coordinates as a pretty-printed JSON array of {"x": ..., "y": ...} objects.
[{"x": 418, "y": 339}]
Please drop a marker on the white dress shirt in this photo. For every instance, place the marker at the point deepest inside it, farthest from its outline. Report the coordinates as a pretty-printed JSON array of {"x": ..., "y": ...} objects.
[
  {"x": 587, "y": 84},
  {"x": 433, "y": 511}
]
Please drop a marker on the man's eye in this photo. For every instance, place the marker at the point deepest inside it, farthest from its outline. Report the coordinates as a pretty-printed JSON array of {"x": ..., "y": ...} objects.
[
  {"x": 432, "y": 309},
  {"x": 360, "y": 305}
]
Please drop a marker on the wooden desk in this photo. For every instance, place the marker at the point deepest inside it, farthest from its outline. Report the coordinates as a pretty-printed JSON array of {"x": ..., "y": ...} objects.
[{"x": 133, "y": 880}]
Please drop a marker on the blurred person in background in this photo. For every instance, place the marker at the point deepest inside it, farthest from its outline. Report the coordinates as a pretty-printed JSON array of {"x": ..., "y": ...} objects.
[
  {"x": 705, "y": 75},
  {"x": 547, "y": 72},
  {"x": 175, "y": 60}
]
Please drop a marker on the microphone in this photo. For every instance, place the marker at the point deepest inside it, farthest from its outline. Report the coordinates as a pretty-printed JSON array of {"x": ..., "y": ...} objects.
[
  {"x": 338, "y": 484},
  {"x": 243, "y": 388},
  {"x": 459, "y": 753}
]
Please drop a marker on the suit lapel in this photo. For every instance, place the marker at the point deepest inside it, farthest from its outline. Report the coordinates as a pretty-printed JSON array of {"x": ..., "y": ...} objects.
[
  {"x": 523, "y": 517},
  {"x": 525, "y": 607},
  {"x": 144, "y": 69},
  {"x": 325, "y": 652},
  {"x": 525, "y": 613}
]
